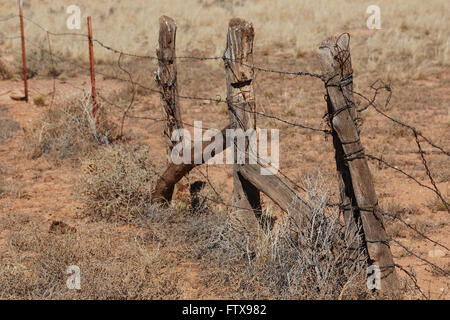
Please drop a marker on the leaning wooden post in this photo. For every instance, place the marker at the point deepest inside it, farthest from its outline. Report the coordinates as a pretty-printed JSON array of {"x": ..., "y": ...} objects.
[
  {"x": 358, "y": 189},
  {"x": 165, "y": 184},
  {"x": 166, "y": 77},
  {"x": 238, "y": 59},
  {"x": 351, "y": 217},
  {"x": 24, "y": 57}
]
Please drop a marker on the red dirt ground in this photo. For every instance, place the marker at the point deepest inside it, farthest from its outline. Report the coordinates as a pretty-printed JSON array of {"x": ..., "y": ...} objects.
[{"x": 45, "y": 187}]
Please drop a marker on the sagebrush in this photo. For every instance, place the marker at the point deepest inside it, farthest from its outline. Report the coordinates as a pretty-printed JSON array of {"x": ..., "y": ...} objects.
[
  {"x": 115, "y": 183},
  {"x": 69, "y": 131}
]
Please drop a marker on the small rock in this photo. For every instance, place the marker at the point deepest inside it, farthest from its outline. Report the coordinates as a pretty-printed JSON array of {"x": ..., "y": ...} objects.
[{"x": 436, "y": 253}]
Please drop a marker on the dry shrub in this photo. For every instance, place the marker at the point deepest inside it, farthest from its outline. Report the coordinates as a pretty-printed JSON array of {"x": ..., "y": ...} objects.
[
  {"x": 114, "y": 184},
  {"x": 40, "y": 62},
  {"x": 6, "y": 71},
  {"x": 39, "y": 101},
  {"x": 288, "y": 262},
  {"x": 114, "y": 265},
  {"x": 69, "y": 132}
]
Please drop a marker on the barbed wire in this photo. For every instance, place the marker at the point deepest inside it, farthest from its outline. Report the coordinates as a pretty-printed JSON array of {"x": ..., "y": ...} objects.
[
  {"x": 377, "y": 86},
  {"x": 371, "y": 103},
  {"x": 397, "y": 217},
  {"x": 409, "y": 176},
  {"x": 218, "y": 99},
  {"x": 416, "y": 133},
  {"x": 444, "y": 273}
]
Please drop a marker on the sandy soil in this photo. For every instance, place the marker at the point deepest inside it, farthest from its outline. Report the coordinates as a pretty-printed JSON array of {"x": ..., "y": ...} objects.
[{"x": 45, "y": 187}]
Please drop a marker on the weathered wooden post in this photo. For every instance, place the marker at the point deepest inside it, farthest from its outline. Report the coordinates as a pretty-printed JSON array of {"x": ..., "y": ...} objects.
[
  {"x": 165, "y": 184},
  {"x": 352, "y": 220},
  {"x": 166, "y": 77},
  {"x": 238, "y": 59},
  {"x": 357, "y": 188}
]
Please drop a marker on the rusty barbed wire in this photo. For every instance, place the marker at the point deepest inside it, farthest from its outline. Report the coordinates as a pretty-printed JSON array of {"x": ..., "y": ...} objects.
[
  {"x": 218, "y": 98},
  {"x": 371, "y": 102},
  {"x": 397, "y": 217}
]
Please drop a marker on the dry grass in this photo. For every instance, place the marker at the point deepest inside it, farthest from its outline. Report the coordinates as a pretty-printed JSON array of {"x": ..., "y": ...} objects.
[
  {"x": 69, "y": 131},
  {"x": 10, "y": 189},
  {"x": 141, "y": 260},
  {"x": 404, "y": 46},
  {"x": 6, "y": 71},
  {"x": 8, "y": 129},
  {"x": 114, "y": 265},
  {"x": 436, "y": 204},
  {"x": 287, "y": 262},
  {"x": 39, "y": 101},
  {"x": 114, "y": 184}
]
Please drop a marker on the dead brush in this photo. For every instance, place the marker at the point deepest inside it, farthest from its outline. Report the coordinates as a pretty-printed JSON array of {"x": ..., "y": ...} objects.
[
  {"x": 6, "y": 72},
  {"x": 288, "y": 262},
  {"x": 114, "y": 265},
  {"x": 8, "y": 129},
  {"x": 307, "y": 263},
  {"x": 69, "y": 131},
  {"x": 114, "y": 184}
]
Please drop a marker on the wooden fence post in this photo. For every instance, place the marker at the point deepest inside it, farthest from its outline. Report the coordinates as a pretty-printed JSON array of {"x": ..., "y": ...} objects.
[
  {"x": 357, "y": 188},
  {"x": 166, "y": 77},
  {"x": 351, "y": 218},
  {"x": 278, "y": 191},
  {"x": 165, "y": 183},
  {"x": 238, "y": 58}
]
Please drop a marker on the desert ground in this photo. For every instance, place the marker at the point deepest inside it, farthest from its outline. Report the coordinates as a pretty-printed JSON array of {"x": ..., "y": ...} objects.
[{"x": 69, "y": 196}]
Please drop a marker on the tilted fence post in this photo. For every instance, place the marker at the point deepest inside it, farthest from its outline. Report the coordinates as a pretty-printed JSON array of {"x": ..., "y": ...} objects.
[
  {"x": 166, "y": 182},
  {"x": 238, "y": 59},
  {"x": 357, "y": 188},
  {"x": 348, "y": 201},
  {"x": 166, "y": 77}
]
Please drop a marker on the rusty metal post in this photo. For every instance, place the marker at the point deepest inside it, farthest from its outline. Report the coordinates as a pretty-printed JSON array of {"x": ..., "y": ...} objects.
[
  {"x": 91, "y": 62},
  {"x": 24, "y": 57}
]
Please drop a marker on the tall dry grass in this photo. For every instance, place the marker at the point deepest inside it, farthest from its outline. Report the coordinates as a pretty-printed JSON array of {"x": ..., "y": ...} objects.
[
  {"x": 413, "y": 37},
  {"x": 68, "y": 131}
]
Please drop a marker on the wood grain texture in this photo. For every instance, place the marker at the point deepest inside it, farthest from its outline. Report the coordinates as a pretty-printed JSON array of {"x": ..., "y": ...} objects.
[
  {"x": 277, "y": 190},
  {"x": 166, "y": 78},
  {"x": 165, "y": 183},
  {"x": 334, "y": 57},
  {"x": 238, "y": 59}
]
